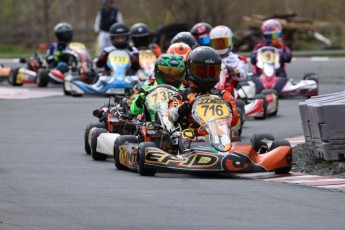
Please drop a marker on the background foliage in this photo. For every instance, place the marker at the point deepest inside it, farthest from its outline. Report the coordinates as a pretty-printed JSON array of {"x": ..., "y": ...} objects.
[{"x": 26, "y": 23}]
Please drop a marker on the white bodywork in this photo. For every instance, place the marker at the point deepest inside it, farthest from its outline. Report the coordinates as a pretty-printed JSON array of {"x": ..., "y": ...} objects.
[{"x": 105, "y": 141}]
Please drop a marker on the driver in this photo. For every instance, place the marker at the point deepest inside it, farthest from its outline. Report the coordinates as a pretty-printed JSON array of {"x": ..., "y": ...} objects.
[
  {"x": 64, "y": 34},
  {"x": 236, "y": 65},
  {"x": 119, "y": 36},
  {"x": 272, "y": 33},
  {"x": 170, "y": 70},
  {"x": 203, "y": 69}
]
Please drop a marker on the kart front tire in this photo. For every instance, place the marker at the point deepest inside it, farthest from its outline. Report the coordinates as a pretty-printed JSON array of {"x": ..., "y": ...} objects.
[
  {"x": 142, "y": 170},
  {"x": 42, "y": 78},
  {"x": 256, "y": 139},
  {"x": 86, "y": 135},
  {"x": 12, "y": 79},
  {"x": 120, "y": 141},
  {"x": 97, "y": 156},
  {"x": 275, "y": 145}
]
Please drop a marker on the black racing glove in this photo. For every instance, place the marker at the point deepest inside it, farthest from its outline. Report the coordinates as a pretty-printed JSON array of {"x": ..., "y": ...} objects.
[{"x": 184, "y": 109}]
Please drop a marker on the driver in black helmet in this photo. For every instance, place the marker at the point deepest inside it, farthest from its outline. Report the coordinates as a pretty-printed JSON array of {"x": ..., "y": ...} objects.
[
  {"x": 64, "y": 34},
  {"x": 203, "y": 69},
  {"x": 141, "y": 38},
  {"x": 185, "y": 37},
  {"x": 119, "y": 36}
]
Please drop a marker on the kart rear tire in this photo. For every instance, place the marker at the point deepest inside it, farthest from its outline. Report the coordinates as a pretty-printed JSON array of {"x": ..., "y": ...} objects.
[
  {"x": 263, "y": 97},
  {"x": 119, "y": 141},
  {"x": 97, "y": 156},
  {"x": 42, "y": 78},
  {"x": 12, "y": 79},
  {"x": 256, "y": 140},
  {"x": 86, "y": 135},
  {"x": 240, "y": 120},
  {"x": 311, "y": 76},
  {"x": 67, "y": 93},
  {"x": 142, "y": 170},
  {"x": 272, "y": 91},
  {"x": 275, "y": 145}
]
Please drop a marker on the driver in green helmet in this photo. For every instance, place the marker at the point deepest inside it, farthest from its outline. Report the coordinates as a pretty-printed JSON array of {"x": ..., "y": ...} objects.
[{"x": 169, "y": 70}]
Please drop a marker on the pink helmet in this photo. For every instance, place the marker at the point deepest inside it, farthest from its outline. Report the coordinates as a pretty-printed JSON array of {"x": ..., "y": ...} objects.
[{"x": 272, "y": 31}]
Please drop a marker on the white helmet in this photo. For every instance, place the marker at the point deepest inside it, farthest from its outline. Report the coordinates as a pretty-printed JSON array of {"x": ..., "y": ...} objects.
[{"x": 221, "y": 39}]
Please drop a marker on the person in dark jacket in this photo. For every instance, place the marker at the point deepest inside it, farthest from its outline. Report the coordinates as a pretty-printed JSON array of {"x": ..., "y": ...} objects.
[{"x": 106, "y": 17}]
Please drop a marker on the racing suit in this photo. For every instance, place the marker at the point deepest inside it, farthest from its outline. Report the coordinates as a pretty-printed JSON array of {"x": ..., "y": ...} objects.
[
  {"x": 53, "y": 56},
  {"x": 177, "y": 115},
  {"x": 237, "y": 69},
  {"x": 285, "y": 57},
  {"x": 131, "y": 50}
]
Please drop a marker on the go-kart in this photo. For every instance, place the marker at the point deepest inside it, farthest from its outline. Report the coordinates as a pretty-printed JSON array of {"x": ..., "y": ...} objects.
[
  {"x": 20, "y": 75},
  {"x": 112, "y": 119},
  {"x": 117, "y": 83},
  {"x": 79, "y": 67},
  {"x": 255, "y": 105},
  {"x": 105, "y": 143},
  {"x": 214, "y": 153},
  {"x": 147, "y": 61},
  {"x": 268, "y": 60},
  {"x": 4, "y": 72}
]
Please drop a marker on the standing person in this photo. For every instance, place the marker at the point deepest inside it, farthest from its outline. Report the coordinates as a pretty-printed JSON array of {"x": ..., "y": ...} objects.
[
  {"x": 272, "y": 33},
  {"x": 106, "y": 17},
  {"x": 236, "y": 65}
]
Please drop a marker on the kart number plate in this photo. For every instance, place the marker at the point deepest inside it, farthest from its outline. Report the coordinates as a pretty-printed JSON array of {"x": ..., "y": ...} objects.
[
  {"x": 147, "y": 56},
  {"x": 208, "y": 111},
  {"x": 119, "y": 59},
  {"x": 159, "y": 95}
]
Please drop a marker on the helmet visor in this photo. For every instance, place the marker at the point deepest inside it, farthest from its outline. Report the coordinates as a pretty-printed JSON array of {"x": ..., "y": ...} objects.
[
  {"x": 203, "y": 40},
  {"x": 205, "y": 71},
  {"x": 221, "y": 43},
  {"x": 171, "y": 74},
  {"x": 272, "y": 36}
]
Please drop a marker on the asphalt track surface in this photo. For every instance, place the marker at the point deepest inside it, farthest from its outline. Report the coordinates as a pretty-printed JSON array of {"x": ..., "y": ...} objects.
[{"x": 48, "y": 182}]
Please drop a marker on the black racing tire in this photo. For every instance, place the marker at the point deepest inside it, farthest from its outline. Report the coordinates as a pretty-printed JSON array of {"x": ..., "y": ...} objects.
[
  {"x": 42, "y": 78},
  {"x": 120, "y": 141},
  {"x": 241, "y": 120},
  {"x": 272, "y": 91},
  {"x": 255, "y": 140},
  {"x": 97, "y": 156},
  {"x": 310, "y": 76},
  {"x": 275, "y": 145},
  {"x": 12, "y": 79},
  {"x": 86, "y": 135},
  {"x": 67, "y": 93},
  {"x": 142, "y": 170},
  {"x": 263, "y": 97}
]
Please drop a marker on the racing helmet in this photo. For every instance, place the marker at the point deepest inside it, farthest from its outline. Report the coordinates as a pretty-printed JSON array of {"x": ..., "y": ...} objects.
[
  {"x": 185, "y": 37},
  {"x": 169, "y": 69},
  {"x": 64, "y": 32},
  {"x": 201, "y": 32},
  {"x": 272, "y": 32},
  {"x": 140, "y": 35},
  {"x": 203, "y": 67},
  {"x": 180, "y": 49},
  {"x": 221, "y": 39},
  {"x": 119, "y": 35}
]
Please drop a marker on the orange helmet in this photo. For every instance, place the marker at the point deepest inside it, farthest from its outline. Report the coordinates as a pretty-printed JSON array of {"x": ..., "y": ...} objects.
[{"x": 181, "y": 49}]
